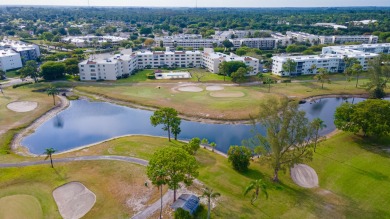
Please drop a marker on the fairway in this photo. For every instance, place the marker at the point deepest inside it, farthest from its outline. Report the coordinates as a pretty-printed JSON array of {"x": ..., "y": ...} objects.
[{"x": 20, "y": 206}]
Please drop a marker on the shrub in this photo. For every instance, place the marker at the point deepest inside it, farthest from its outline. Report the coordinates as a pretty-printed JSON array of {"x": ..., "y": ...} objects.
[
  {"x": 180, "y": 213},
  {"x": 239, "y": 156},
  {"x": 20, "y": 85},
  {"x": 151, "y": 76}
]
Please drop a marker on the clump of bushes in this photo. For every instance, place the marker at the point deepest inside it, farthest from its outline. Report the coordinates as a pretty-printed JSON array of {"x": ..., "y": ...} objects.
[
  {"x": 22, "y": 84},
  {"x": 150, "y": 76}
]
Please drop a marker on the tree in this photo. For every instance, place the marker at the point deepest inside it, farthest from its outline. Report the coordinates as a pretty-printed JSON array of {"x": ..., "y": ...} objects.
[
  {"x": 148, "y": 42},
  {"x": 379, "y": 75},
  {"x": 2, "y": 74},
  {"x": 288, "y": 136},
  {"x": 49, "y": 152},
  {"x": 239, "y": 156},
  {"x": 318, "y": 124},
  {"x": 289, "y": 66},
  {"x": 268, "y": 81},
  {"x": 322, "y": 76},
  {"x": 176, "y": 127},
  {"x": 370, "y": 117},
  {"x": 192, "y": 146},
  {"x": 209, "y": 194},
  {"x": 167, "y": 117},
  {"x": 30, "y": 69},
  {"x": 74, "y": 31},
  {"x": 227, "y": 68},
  {"x": 199, "y": 75},
  {"x": 158, "y": 178},
  {"x": 239, "y": 75},
  {"x": 52, "y": 70},
  {"x": 213, "y": 145},
  {"x": 357, "y": 69},
  {"x": 175, "y": 165},
  {"x": 257, "y": 186},
  {"x": 180, "y": 213},
  {"x": 227, "y": 44},
  {"x": 53, "y": 91}
]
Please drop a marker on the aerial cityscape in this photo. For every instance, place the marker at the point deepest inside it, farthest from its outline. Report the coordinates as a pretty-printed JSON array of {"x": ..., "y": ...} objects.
[{"x": 194, "y": 109}]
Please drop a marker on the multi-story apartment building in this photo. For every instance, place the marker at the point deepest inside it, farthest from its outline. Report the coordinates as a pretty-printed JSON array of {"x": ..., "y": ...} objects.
[
  {"x": 9, "y": 60},
  {"x": 259, "y": 43},
  {"x": 332, "y": 59},
  {"x": 187, "y": 43},
  {"x": 120, "y": 65},
  {"x": 211, "y": 61},
  {"x": 27, "y": 51},
  {"x": 302, "y": 37},
  {"x": 85, "y": 41},
  {"x": 366, "y": 39}
]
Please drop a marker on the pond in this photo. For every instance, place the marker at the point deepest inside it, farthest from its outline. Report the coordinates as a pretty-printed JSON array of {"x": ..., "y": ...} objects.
[{"x": 85, "y": 122}]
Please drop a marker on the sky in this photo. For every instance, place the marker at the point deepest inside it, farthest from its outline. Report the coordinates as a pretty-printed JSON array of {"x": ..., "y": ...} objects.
[{"x": 203, "y": 3}]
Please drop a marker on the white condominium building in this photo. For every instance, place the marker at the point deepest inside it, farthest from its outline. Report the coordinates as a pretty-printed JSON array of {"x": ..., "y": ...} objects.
[
  {"x": 27, "y": 51},
  {"x": 332, "y": 59},
  {"x": 211, "y": 61},
  {"x": 123, "y": 65},
  {"x": 367, "y": 39},
  {"x": 86, "y": 41},
  {"x": 259, "y": 43},
  {"x": 302, "y": 37},
  {"x": 186, "y": 43},
  {"x": 9, "y": 60}
]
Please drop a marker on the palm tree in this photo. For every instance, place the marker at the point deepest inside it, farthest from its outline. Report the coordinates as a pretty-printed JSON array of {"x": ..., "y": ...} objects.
[
  {"x": 256, "y": 185},
  {"x": 213, "y": 145},
  {"x": 318, "y": 124},
  {"x": 53, "y": 91},
  {"x": 49, "y": 152},
  {"x": 209, "y": 193},
  {"x": 356, "y": 70},
  {"x": 268, "y": 81},
  {"x": 322, "y": 76}
]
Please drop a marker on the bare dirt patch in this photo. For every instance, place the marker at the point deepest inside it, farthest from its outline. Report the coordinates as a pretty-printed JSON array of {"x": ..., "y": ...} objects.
[
  {"x": 22, "y": 106},
  {"x": 74, "y": 200},
  {"x": 227, "y": 94},
  {"x": 214, "y": 88},
  {"x": 304, "y": 176}
]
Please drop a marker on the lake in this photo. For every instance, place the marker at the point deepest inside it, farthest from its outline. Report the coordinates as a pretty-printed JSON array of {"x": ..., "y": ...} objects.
[{"x": 85, "y": 122}]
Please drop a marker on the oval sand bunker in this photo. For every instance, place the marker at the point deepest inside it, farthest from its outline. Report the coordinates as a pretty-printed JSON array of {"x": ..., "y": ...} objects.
[
  {"x": 190, "y": 89},
  {"x": 304, "y": 176},
  {"x": 74, "y": 200},
  {"x": 214, "y": 88},
  {"x": 22, "y": 106},
  {"x": 227, "y": 94}
]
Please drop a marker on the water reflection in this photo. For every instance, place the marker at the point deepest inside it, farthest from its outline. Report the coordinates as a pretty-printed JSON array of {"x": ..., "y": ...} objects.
[{"x": 91, "y": 122}]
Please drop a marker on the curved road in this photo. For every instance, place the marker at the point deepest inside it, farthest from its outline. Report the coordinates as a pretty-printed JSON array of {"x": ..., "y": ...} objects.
[{"x": 147, "y": 212}]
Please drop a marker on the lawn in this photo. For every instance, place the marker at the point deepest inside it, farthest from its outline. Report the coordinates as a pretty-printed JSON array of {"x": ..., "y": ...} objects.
[
  {"x": 12, "y": 74},
  {"x": 14, "y": 120},
  {"x": 354, "y": 180},
  {"x": 194, "y": 104},
  {"x": 20, "y": 206},
  {"x": 118, "y": 186}
]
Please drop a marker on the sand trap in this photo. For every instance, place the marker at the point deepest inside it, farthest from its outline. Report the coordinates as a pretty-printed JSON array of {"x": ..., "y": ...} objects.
[
  {"x": 74, "y": 200},
  {"x": 214, "y": 88},
  {"x": 22, "y": 106},
  {"x": 304, "y": 176},
  {"x": 190, "y": 89},
  {"x": 227, "y": 94}
]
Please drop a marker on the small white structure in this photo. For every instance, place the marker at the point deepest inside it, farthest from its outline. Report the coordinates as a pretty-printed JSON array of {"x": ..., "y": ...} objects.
[
  {"x": 85, "y": 41},
  {"x": 172, "y": 75}
]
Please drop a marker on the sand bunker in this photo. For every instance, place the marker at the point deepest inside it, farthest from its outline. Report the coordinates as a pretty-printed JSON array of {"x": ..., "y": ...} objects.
[
  {"x": 214, "y": 88},
  {"x": 227, "y": 94},
  {"x": 22, "y": 106},
  {"x": 74, "y": 200},
  {"x": 190, "y": 89},
  {"x": 304, "y": 176}
]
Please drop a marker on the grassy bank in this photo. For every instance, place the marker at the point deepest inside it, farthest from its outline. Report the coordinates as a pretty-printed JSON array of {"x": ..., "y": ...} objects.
[
  {"x": 354, "y": 180},
  {"x": 195, "y": 104}
]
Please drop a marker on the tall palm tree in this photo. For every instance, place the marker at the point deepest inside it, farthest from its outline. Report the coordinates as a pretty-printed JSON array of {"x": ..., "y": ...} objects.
[
  {"x": 49, "y": 152},
  {"x": 256, "y": 185},
  {"x": 209, "y": 193},
  {"x": 322, "y": 76},
  {"x": 53, "y": 91},
  {"x": 318, "y": 124},
  {"x": 213, "y": 145}
]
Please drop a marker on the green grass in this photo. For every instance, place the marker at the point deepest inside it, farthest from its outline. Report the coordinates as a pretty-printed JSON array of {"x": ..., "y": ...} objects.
[
  {"x": 354, "y": 177},
  {"x": 140, "y": 76},
  {"x": 20, "y": 206},
  {"x": 195, "y": 104},
  {"x": 12, "y": 74}
]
